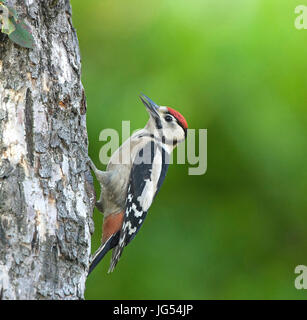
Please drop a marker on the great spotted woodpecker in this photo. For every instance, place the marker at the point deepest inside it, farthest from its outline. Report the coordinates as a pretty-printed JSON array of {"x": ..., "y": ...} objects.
[{"x": 133, "y": 178}]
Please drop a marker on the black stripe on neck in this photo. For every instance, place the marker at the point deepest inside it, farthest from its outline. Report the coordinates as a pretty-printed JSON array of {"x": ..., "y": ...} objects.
[{"x": 163, "y": 140}]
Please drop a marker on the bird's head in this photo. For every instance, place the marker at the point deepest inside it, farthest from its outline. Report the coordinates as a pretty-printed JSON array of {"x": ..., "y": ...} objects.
[{"x": 165, "y": 122}]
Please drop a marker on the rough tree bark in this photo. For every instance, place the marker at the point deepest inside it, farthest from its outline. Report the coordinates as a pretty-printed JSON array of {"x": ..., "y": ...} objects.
[{"x": 46, "y": 189}]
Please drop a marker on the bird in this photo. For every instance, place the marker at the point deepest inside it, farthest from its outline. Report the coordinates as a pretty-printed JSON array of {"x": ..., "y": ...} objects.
[{"x": 133, "y": 177}]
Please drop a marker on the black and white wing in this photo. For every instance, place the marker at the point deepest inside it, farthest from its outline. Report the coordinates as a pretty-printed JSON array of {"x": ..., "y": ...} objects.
[{"x": 146, "y": 177}]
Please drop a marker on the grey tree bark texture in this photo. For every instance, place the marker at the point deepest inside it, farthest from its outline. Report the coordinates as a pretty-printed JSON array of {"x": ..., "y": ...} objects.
[{"x": 46, "y": 188}]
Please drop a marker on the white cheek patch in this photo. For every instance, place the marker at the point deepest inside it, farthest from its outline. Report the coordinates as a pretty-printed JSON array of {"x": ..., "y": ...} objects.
[{"x": 175, "y": 133}]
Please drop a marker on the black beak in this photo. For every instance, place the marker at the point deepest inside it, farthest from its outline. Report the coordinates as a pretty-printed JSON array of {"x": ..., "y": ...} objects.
[{"x": 151, "y": 106}]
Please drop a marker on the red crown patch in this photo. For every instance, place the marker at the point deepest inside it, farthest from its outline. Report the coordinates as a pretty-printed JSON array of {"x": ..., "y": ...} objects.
[{"x": 179, "y": 117}]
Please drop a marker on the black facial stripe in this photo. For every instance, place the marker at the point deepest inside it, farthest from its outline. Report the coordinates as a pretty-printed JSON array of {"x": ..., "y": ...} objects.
[
  {"x": 158, "y": 123},
  {"x": 146, "y": 135},
  {"x": 185, "y": 131},
  {"x": 163, "y": 139}
]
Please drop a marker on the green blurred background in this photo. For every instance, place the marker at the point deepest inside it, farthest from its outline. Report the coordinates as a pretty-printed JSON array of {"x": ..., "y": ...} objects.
[{"x": 237, "y": 68}]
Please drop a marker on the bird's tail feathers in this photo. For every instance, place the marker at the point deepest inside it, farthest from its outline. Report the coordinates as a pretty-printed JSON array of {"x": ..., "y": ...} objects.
[
  {"x": 103, "y": 250},
  {"x": 117, "y": 252}
]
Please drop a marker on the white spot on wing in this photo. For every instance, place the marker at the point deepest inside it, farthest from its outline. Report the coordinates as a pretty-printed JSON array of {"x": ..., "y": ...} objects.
[
  {"x": 129, "y": 227},
  {"x": 137, "y": 213}
]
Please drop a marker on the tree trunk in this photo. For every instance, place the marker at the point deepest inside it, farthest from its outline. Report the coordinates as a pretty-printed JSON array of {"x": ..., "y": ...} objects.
[{"x": 46, "y": 189}]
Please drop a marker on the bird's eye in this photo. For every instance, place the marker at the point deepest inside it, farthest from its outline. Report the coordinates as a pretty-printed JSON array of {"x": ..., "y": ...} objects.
[{"x": 168, "y": 118}]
